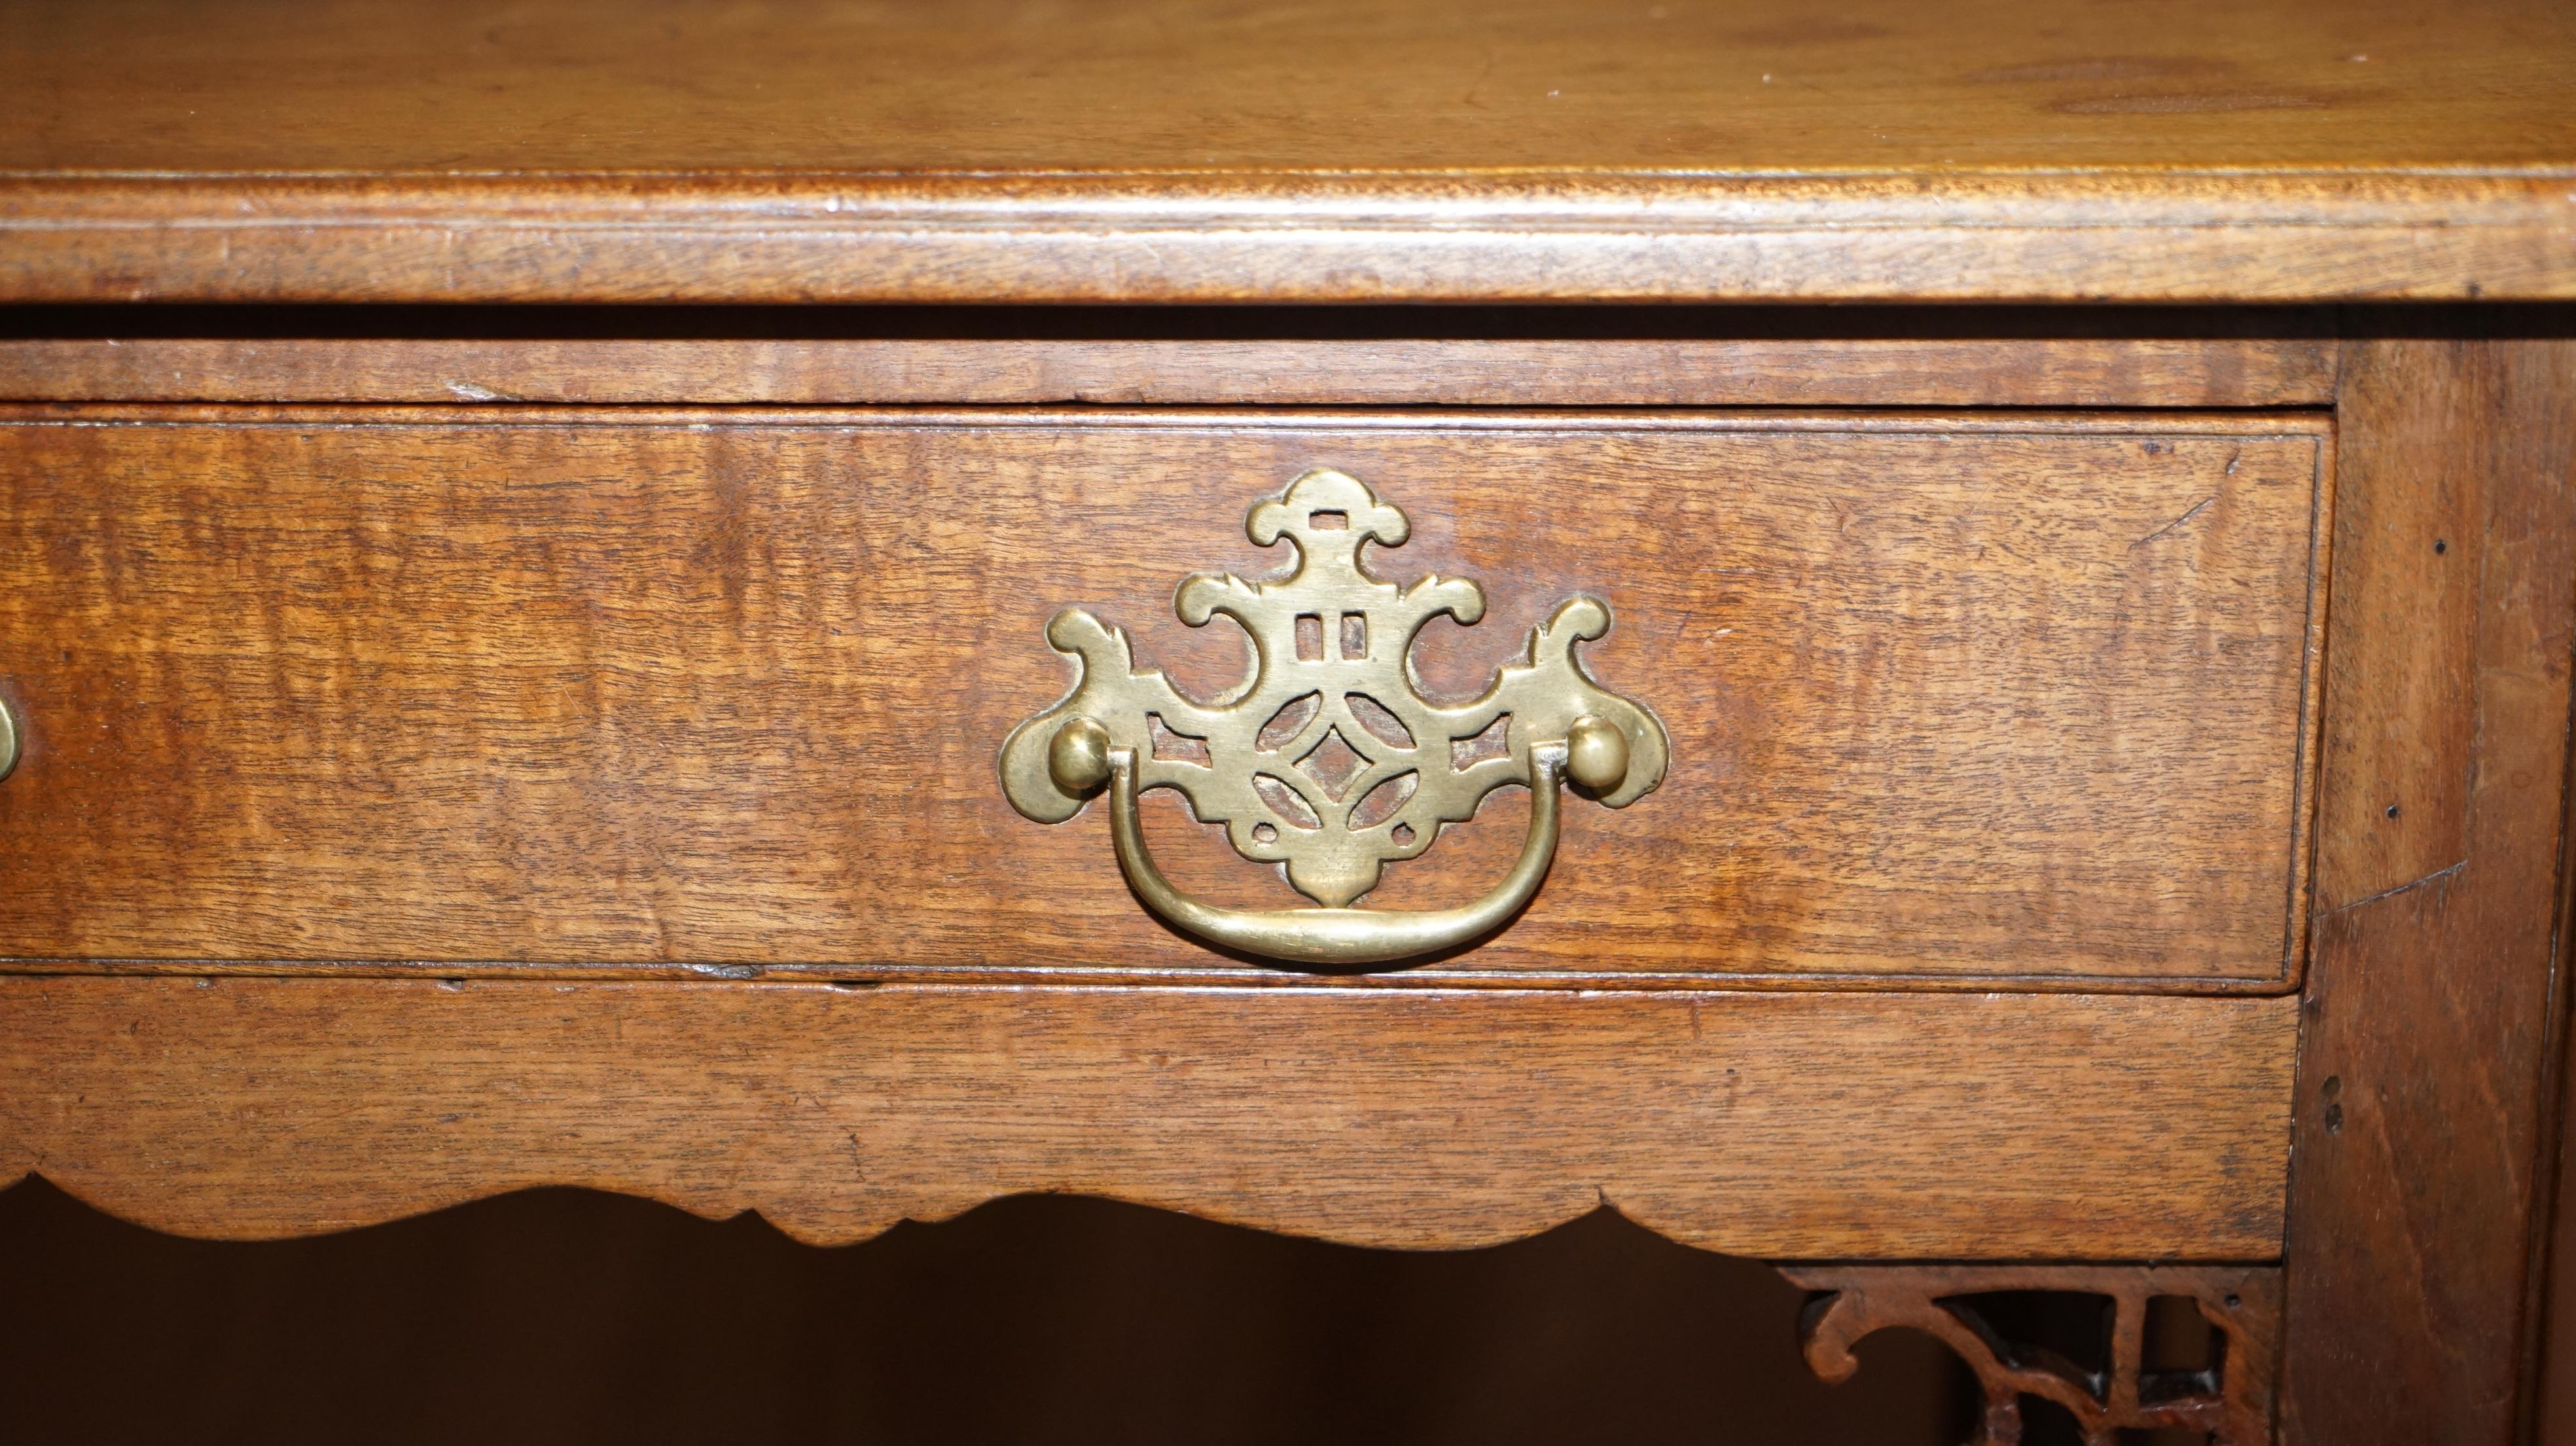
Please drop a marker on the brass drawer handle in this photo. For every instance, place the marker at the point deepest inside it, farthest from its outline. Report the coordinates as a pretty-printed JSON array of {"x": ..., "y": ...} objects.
[
  {"x": 1329, "y": 935},
  {"x": 1326, "y": 760}
]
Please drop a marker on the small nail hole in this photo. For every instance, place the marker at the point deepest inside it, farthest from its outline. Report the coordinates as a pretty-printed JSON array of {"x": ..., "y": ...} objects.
[
  {"x": 2234, "y": 1301},
  {"x": 2392, "y": 810},
  {"x": 2440, "y": 546}
]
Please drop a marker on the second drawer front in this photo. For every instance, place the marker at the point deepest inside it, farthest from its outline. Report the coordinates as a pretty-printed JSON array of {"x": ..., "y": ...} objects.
[{"x": 2025, "y": 702}]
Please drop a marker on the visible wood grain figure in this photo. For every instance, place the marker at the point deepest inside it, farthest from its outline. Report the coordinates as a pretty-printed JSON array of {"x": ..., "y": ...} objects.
[
  {"x": 2401, "y": 722},
  {"x": 1174, "y": 149},
  {"x": 1872, "y": 372},
  {"x": 1951, "y": 700},
  {"x": 995, "y": 86},
  {"x": 2420, "y": 1156},
  {"x": 2001, "y": 1126},
  {"x": 2229, "y": 1404},
  {"x": 2549, "y": 1400},
  {"x": 2150, "y": 236},
  {"x": 1961, "y": 704}
]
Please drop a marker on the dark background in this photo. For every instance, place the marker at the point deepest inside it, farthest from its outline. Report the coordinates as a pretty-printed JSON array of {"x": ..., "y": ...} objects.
[{"x": 567, "y": 1315}]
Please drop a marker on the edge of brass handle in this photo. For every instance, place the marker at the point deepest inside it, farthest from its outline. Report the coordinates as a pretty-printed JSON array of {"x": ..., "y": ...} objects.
[{"x": 1338, "y": 936}]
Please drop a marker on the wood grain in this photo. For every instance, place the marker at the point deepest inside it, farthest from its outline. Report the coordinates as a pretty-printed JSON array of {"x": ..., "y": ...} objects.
[
  {"x": 2400, "y": 715},
  {"x": 1952, "y": 700},
  {"x": 2420, "y": 1154},
  {"x": 1612, "y": 371},
  {"x": 780, "y": 150},
  {"x": 2549, "y": 1400},
  {"x": 2158, "y": 236},
  {"x": 997, "y": 86},
  {"x": 2067, "y": 1125}
]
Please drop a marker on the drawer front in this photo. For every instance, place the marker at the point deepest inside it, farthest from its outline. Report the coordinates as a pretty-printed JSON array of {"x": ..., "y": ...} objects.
[{"x": 1965, "y": 700}]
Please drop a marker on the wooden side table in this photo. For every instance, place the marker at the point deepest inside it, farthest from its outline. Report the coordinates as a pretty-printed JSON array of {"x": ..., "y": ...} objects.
[{"x": 1945, "y": 663}]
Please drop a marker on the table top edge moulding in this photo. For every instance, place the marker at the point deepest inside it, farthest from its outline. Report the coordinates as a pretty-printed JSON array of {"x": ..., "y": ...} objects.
[
  {"x": 1159, "y": 150},
  {"x": 1465, "y": 236}
]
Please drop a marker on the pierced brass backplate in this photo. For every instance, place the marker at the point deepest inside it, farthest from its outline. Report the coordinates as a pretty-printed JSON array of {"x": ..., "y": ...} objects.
[{"x": 1326, "y": 760}]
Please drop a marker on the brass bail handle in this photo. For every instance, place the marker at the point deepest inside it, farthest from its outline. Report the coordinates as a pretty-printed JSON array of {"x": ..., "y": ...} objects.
[
  {"x": 1081, "y": 757},
  {"x": 1326, "y": 763}
]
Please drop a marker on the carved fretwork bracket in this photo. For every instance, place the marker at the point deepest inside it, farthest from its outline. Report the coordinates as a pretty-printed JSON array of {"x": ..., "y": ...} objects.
[{"x": 2229, "y": 1397}]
